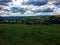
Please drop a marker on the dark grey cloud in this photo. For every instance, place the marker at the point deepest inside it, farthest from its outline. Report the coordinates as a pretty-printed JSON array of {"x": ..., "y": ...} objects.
[
  {"x": 36, "y": 2},
  {"x": 43, "y": 10},
  {"x": 16, "y": 9},
  {"x": 56, "y": 2},
  {"x": 3, "y": 2}
]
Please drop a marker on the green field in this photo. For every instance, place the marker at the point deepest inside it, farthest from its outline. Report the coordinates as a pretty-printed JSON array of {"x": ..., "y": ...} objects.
[{"x": 21, "y": 34}]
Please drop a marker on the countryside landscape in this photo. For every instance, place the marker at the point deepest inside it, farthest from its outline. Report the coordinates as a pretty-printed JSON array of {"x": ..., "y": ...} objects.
[
  {"x": 43, "y": 30},
  {"x": 29, "y": 22}
]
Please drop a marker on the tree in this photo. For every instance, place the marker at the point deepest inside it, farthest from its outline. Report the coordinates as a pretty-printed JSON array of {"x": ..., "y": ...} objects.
[{"x": 1, "y": 19}]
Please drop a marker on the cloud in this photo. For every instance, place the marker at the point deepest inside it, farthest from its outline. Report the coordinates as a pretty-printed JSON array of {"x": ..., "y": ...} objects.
[
  {"x": 57, "y": 9},
  {"x": 49, "y": 7},
  {"x": 16, "y": 10},
  {"x": 56, "y": 2},
  {"x": 35, "y": 2},
  {"x": 43, "y": 10},
  {"x": 3, "y": 2},
  {"x": 29, "y": 7},
  {"x": 47, "y": 10}
]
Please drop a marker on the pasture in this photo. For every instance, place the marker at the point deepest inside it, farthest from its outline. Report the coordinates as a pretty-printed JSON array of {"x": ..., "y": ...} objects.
[{"x": 22, "y": 34}]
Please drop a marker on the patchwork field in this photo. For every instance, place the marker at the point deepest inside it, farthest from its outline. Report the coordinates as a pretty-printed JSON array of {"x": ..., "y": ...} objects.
[{"x": 22, "y": 34}]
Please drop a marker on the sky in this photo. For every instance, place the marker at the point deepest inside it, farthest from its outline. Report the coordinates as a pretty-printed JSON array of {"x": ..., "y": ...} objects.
[{"x": 29, "y": 7}]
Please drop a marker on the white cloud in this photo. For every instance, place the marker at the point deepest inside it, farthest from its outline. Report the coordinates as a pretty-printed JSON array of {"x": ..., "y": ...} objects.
[{"x": 25, "y": 0}]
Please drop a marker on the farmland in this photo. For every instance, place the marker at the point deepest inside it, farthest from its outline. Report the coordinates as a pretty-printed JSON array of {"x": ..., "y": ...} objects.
[{"x": 22, "y": 34}]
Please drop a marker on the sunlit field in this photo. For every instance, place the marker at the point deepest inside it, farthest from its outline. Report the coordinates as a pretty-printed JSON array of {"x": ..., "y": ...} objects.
[{"x": 22, "y": 34}]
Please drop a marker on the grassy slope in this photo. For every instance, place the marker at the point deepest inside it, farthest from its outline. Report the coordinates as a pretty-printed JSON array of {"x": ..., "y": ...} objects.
[{"x": 20, "y": 34}]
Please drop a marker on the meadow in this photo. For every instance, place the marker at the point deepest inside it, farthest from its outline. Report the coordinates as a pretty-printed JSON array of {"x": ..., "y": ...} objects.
[{"x": 22, "y": 34}]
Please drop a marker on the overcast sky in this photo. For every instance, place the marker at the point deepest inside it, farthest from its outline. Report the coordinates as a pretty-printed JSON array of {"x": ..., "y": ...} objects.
[{"x": 29, "y": 7}]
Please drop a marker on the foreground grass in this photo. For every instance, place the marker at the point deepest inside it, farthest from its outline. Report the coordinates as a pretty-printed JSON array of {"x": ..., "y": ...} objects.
[{"x": 21, "y": 34}]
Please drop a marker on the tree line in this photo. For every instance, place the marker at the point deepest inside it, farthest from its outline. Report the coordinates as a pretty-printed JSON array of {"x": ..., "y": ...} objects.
[{"x": 31, "y": 20}]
